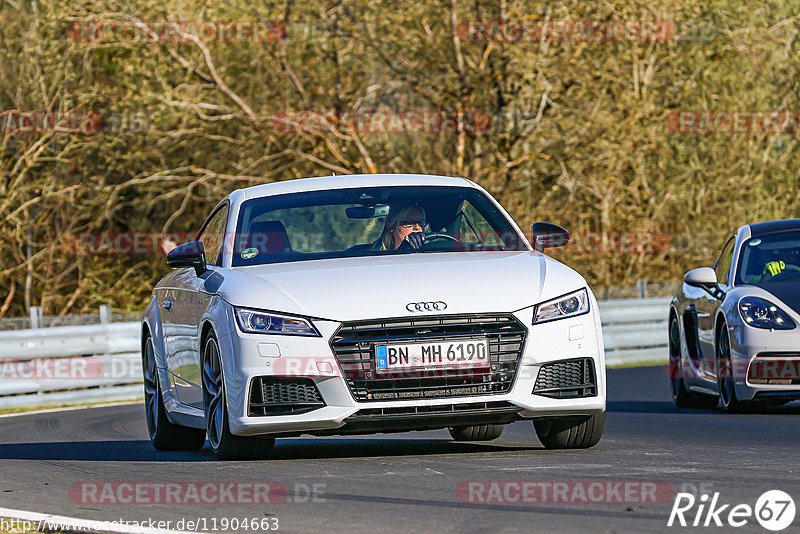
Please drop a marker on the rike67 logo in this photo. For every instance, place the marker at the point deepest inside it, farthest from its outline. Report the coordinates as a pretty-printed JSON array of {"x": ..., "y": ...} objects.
[{"x": 774, "y": 510}]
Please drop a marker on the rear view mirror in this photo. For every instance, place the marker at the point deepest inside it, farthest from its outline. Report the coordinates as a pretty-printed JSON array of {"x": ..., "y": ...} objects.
[
  {"x": 547, "y": 235},
  {"x": 191, "y": 254},
  {"x": 701, "y": 277},
  {"x": 367, "y": 212}
]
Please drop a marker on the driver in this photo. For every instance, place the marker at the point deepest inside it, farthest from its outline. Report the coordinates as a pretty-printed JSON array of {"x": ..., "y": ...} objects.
[{"x": 403, "y": 229}]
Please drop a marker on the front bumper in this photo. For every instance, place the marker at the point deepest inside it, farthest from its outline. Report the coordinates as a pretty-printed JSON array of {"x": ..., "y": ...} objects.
[
  {"x": 766, "y": 363},
  {"x": 248, "y": 356}
]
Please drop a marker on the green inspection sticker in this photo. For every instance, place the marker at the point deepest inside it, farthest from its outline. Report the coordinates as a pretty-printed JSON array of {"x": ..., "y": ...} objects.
[{"x": 249, "y": 253}]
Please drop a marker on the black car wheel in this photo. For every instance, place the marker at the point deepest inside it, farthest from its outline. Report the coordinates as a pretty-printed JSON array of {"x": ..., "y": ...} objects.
[
  {"x": 682, "y": 397},
  {"x": 725, "y": 375},
  {"x": 164, "y": 435},
  {"x": 226, "y": 446},
  {"x": 570, "y": 432},
  {"x": 476, "y": 432}
]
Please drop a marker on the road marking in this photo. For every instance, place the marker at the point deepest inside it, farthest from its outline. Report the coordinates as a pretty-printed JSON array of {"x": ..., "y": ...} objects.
[
  {"x": 62, "y": 522},
  {"x": 70, "y": 408}
]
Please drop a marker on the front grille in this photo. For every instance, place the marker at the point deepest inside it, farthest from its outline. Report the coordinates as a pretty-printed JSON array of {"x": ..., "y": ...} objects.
[
  {"x": 283, "y": 396},
  {"x": 566, "y": 379},
  {"x": 778, "y": 368},
  {"x": 354, "y": 342}
]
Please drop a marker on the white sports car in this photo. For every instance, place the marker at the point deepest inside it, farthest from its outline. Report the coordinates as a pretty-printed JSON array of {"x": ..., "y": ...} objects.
[{"x": 364, "y": 304}]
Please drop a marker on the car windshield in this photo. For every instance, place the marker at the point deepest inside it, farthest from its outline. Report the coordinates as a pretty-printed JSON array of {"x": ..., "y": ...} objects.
[
  {"x": 370, "y": 221},
  {"x": 770, "y": 258}
]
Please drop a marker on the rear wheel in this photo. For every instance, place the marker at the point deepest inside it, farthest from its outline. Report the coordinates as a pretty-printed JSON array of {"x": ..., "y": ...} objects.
[
  {"x": 682, "y": 397},
  {"x": 476, "y": 432},
  {"x": 226, "y": 446},
  {"x": 725, "y": 376},
  {"x": 164, "y": 435},
  {"x": 571, "y": 432}
]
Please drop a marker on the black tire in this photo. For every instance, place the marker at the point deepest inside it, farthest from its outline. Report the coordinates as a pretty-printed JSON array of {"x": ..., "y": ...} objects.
[
  {"x": 164, "y": 435},
  {"x": 571, "y": 432},
  {"x": 725, "y": 378},
  {"x": 682, "y": 397},
  {"x": 226, "y": 446},
  {"x": 476, "y": 432}
]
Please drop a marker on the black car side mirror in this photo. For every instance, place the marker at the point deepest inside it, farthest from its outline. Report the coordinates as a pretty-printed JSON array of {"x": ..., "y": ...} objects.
[
  {"x": 191, "y": 254},
  {"x": 547, "y": 235}
]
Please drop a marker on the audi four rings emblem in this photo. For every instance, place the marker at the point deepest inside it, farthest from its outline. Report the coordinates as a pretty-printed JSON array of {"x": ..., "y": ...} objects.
[{"x": 426, "y": 306}]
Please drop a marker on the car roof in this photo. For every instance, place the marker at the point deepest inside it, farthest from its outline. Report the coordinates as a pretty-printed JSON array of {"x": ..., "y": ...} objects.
[
  {"x": 350, "y": 181},
  {"x": 769, "y": 227}
]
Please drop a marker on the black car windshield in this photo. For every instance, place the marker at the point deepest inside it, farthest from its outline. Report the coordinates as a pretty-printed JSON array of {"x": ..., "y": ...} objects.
[
  {"x": 370, "y": 221},
  {"x": 770, "y": 258}
]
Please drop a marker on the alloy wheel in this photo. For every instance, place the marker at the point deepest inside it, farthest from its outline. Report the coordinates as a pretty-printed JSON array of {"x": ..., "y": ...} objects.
[
  {"x": 214, "y": 393},
  {"x": 150, "y": 388}
]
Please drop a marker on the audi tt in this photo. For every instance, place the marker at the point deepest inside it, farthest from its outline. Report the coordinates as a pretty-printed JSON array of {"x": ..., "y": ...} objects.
[
  {"x": 369, "y": 304},
  {"x": 733, "y": 336}
]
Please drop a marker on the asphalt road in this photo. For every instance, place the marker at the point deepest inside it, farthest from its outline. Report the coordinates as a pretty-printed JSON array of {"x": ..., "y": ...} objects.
[{"x": 409, "y": 482}]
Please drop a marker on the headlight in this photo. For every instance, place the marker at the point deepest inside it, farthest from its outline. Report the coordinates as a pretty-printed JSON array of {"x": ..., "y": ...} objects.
[
  {"x": 762, "y": 313},
  {"x": 576, "y": 303},
  {"x": 259, "y": 322}
]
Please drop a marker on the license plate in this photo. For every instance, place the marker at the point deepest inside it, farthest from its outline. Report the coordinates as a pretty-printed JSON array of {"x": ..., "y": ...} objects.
[{"x": 469, "y": 354}]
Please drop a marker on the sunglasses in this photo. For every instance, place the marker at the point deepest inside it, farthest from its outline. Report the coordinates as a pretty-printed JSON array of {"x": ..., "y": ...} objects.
[{"x": 412, "y": 224}]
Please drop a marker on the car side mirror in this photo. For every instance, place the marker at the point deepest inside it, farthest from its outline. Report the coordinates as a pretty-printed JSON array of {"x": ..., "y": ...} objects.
[
  {"x": 191, "y": 254},
  {"x": 701, "y": 277},
  {"x": 547, "y": 235}
]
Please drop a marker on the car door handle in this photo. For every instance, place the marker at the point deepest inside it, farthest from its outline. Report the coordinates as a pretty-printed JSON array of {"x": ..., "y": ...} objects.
[{"x": 167, "y": 305}]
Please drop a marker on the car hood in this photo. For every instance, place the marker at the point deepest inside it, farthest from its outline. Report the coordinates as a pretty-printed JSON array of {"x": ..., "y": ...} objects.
[
  {"x": 787, "y": 291},
  {"x": 348, "y": 289}
]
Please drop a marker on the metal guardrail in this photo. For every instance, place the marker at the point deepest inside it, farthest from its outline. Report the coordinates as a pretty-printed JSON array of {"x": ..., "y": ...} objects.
[
  {"x": 97, "y": 363},
  {"x": 635, "y": 330}
]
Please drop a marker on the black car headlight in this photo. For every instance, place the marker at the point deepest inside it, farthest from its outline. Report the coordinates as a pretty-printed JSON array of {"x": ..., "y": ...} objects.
[
  {"x": 576, "y": 303},
  {"x": 262, "y": 322},
  {"x": 761, "y": 313}
]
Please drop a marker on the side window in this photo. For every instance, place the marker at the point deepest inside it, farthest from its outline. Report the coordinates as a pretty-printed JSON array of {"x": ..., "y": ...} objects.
[
  {"x": 723, "y": 266},
  {"x": 213, "y": 236},
  {"x": 475, "y": 228}
]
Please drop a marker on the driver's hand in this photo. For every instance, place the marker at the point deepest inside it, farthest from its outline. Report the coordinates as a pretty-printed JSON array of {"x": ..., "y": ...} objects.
[
  {"x": 415, "y": 240},
  {"x": 771, "y": 269}
]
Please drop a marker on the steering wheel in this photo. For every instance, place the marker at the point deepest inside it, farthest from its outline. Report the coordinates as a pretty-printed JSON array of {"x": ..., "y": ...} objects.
[{"x": 433, "y": 238}]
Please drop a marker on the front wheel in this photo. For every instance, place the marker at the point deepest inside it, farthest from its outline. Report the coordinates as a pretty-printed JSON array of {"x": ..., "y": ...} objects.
[
  {"x": 570, "y": 432},
  {"x": 476, "y": 432},
  {"x": 681, "y": 396},
  {"x": 226, "y": 446},
  {"x": 164, "y": 435},
  {"x": 725, "y": 376}
]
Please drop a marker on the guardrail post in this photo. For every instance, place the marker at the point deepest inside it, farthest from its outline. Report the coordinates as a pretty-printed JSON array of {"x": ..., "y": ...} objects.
[
  {"x": 641, "y": 287},
  {"x": 36, "y": 317},
  {"x": 105, "y": 314}
]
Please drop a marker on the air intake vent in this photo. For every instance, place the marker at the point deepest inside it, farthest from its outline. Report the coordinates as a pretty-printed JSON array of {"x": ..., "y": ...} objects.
[
  {"x": 567, "y": 379},
  {"x": 283, "y": 396}
]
